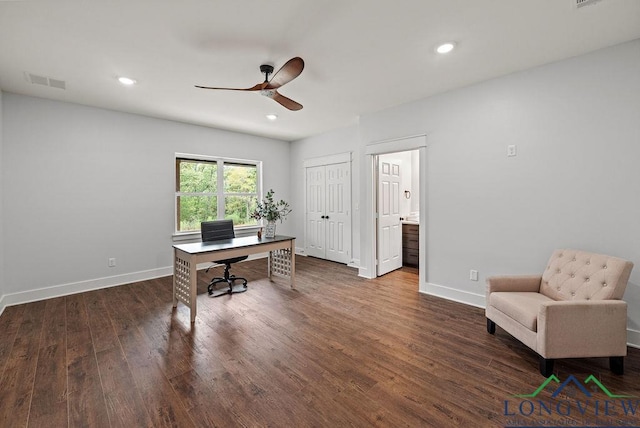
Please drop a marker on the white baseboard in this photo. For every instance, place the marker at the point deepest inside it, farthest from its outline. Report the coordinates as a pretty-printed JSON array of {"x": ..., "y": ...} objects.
[
  {"x": 80, "y": 287},
  {"x": 354, "y": 263},
  {"x": 363, "y": 272},
  {"x": 466, "y": 297},
  {"x": 2, "y": 304},
  {"x": 633, "y": 338}
]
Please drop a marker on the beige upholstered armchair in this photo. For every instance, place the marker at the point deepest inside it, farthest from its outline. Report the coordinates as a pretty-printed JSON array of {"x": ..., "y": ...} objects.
[{"x": 572, "y": 310}]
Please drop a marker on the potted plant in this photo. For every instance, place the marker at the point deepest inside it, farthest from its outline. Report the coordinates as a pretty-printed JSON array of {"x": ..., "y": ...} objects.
[{"x": 271, "y": 211}]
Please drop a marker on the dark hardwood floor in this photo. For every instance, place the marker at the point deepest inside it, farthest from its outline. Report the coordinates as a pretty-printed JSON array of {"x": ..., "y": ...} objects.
[{"x": 339, "y": 351}]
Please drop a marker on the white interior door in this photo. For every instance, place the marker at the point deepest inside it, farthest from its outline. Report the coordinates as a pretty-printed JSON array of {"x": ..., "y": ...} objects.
[
  {"x": 315, "y": 207},
  {"x": 389, "y": 229},
  {"x": 337, "y": 216}
]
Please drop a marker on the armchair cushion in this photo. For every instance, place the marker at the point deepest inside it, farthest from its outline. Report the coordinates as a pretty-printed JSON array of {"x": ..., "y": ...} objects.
[{"x": 520, "y": 306}]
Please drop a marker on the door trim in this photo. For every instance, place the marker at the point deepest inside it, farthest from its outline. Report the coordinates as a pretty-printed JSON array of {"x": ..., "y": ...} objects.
[
  {"x": 368, "y": 215},
  {"x": 328, "y": 160}
]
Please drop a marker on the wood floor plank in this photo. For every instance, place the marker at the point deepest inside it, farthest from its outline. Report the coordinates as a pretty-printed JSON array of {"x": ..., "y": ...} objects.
[
  {"x": 124, "y": 403},
  {"x": 338, "y": 351},
  {"x": 18, "y": 377},
  {"x": 49, "y": 402},
  {"x": 9, "y": 325},
  {"x": 85, "y": 397},
  {"x": 140, "y": 346},
  {"x": 103, "y": 334}
]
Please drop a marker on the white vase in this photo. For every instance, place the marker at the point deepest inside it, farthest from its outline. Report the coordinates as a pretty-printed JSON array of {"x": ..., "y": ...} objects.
[{"x": 270, "y": 230}]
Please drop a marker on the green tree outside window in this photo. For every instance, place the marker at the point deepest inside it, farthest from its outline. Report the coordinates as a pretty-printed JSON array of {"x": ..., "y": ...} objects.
[{"x": 215, "y": 189}]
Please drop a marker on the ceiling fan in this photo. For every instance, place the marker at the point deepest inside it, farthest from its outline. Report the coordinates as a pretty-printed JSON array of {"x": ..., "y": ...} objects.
[{"x": 269, "y": 88}]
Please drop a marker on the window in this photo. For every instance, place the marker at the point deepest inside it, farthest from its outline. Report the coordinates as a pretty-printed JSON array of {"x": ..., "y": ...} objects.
[{"x": 215, "y": 189}]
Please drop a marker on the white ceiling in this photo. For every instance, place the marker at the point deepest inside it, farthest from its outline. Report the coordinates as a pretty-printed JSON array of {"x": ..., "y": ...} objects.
[{"x": 361, "y": 55}]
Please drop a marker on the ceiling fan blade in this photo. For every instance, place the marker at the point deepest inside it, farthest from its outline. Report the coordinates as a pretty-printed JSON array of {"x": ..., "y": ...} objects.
[
  {"x": 286, "y": 102},
  {"x": 257, "y": 87},
  {"x": 287, "y": 73}
]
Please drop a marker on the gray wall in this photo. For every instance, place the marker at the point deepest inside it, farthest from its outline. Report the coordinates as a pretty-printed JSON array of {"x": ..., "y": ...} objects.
[
  {"x": 574, "y": 183},
  {"x": 83, "y": 184}
]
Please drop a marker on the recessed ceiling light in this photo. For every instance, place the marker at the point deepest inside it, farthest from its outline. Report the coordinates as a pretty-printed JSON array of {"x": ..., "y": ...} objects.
[
  {"x": 445, "y": 47},
  {"x": 272, "y": 117},
  {"x": 126, "y": 81}
]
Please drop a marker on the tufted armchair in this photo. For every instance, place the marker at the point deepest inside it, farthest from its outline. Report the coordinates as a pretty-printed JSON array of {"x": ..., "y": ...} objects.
[{"x": 572, "y": 310}]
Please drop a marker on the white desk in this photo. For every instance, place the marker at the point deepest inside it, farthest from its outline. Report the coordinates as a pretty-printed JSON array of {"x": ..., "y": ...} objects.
[{"x": 282, "y": 262}]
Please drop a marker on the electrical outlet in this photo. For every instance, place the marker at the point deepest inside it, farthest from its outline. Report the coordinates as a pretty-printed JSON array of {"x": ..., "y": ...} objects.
[
  {"x": 473, "y": 275},
  {"x": 112, "y": 262},
  {"x": 511, "y": 150}
]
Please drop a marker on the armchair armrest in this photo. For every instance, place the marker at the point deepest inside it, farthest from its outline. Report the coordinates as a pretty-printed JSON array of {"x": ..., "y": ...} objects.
[
  {"x": 582, "y": 328},
  {"x": 514, "y": 283}
]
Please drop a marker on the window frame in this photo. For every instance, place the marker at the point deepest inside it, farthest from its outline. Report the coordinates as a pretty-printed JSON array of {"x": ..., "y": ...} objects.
[{"x": 220, "y": 191}]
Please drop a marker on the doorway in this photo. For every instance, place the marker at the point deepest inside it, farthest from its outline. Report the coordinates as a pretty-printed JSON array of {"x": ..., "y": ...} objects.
[{"x": 369, "y": 237}]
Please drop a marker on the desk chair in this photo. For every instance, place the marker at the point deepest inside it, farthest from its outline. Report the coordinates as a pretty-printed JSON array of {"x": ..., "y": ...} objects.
[{"x": 220, "y": 230}]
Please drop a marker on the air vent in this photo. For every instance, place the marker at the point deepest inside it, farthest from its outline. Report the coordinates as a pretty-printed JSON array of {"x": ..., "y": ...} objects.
[
  {"x": 55, "y": 83},
  {"x": 44, "y": 81},
  {"x": 583, "y": 3}
]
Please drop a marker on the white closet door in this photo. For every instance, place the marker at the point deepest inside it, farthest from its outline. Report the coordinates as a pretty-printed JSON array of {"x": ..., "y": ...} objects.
[
  {"x": 315, "y": 221},
  {"x": 389, "y": 228},
  {"x": 337, "y": 215}
]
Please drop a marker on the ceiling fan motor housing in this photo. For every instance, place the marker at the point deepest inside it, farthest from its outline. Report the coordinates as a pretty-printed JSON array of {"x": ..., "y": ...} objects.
[{"x": 266, "y": 68}]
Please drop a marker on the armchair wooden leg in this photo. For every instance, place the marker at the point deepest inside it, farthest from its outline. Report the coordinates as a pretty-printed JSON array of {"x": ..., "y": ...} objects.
[
  {"x": 617, "y": 365},
  {"x": 546, "y": 367},
  {"x": 491, "y": 326}
]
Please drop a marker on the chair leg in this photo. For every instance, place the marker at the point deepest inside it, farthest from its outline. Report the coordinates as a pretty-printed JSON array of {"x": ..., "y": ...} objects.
[
  {"x": 241, "y": 288},
  {"x": 491, "y": 326},
  {"x": 617, "y": 365},
  {"x": 546, "y": 366},
  {"x": 230, "y": 281}
]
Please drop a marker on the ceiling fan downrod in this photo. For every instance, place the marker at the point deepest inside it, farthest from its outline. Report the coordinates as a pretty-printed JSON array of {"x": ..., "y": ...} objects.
[{"x": 266, "y": 69}]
